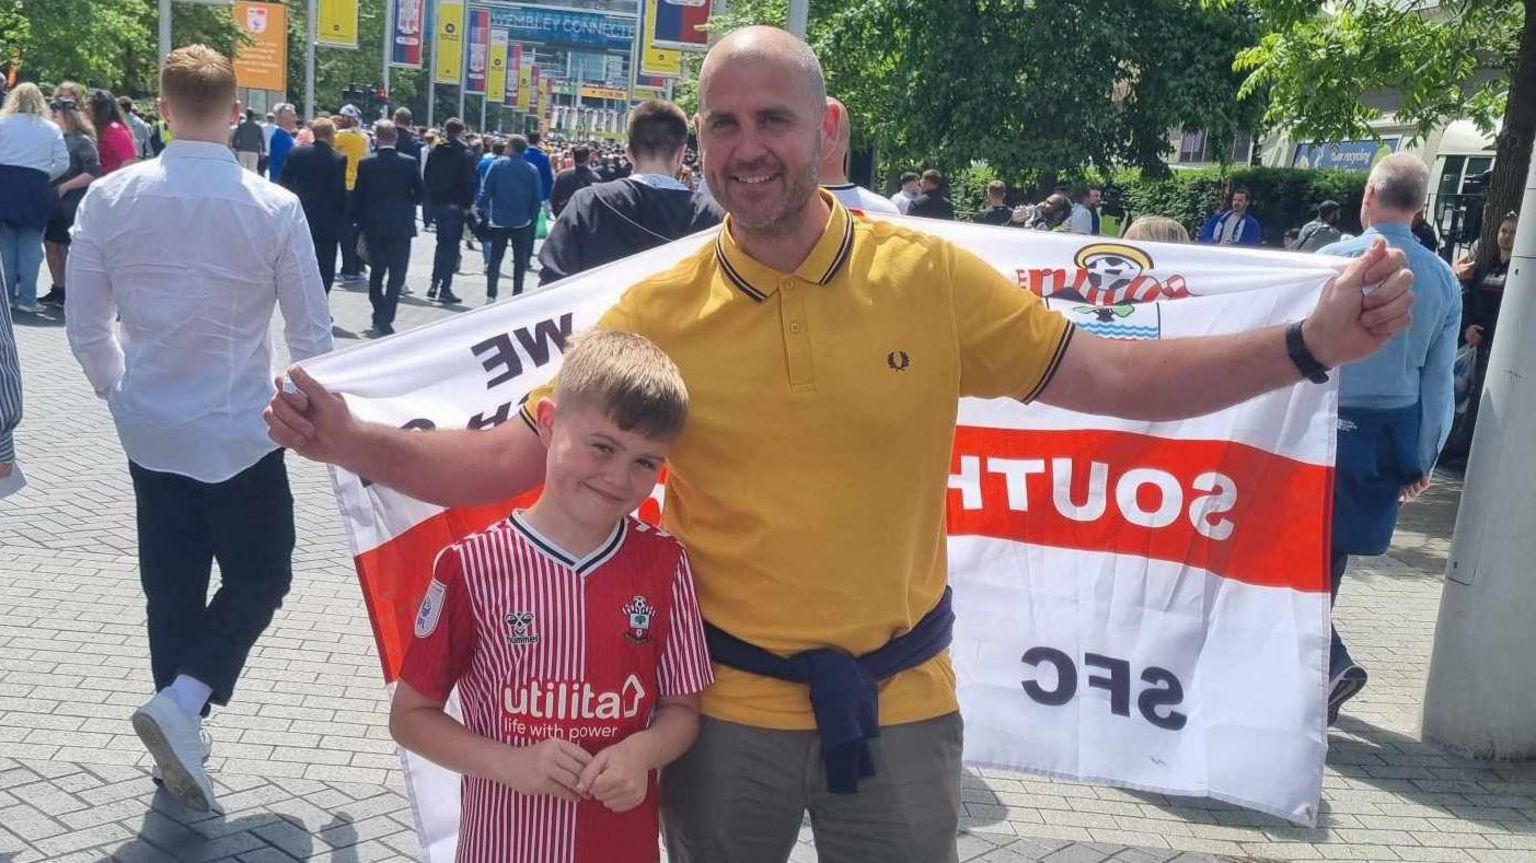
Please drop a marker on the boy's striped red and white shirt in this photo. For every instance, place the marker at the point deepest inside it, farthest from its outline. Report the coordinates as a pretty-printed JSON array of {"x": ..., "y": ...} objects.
[{"x": 541, "y": 643}]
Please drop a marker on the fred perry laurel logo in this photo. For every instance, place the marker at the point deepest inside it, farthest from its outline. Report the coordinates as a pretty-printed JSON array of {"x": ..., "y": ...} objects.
[
  {"x": 898, "y": 360},
  {"x": 521, "y": 625}
]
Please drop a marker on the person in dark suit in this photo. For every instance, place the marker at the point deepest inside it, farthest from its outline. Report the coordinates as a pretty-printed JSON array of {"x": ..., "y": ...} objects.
[
  {"x": 572, "y": 180},
  {"x": 384, "y": 209},
  {"x": 931, "y": 202},
  {"x": 318, "y": 175}
]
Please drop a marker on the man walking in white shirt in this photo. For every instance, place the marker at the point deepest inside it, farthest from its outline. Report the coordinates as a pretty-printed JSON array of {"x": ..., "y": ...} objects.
[
  {"x": 1085, "y": 212},
  {"x": 193, "y": 253},
  {"x": 909, "y": 190}
]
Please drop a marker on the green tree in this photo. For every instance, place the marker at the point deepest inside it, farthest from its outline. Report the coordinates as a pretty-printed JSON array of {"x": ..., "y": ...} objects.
[
  {"x": 1471, "y": 59},
  {"x": 1035, "y": 88},
  {"x": 104, "y": 43},
  {"x": 337, "y": 69}
]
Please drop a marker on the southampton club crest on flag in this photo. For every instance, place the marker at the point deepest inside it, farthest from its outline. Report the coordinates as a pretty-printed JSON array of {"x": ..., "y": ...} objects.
[{"x": 1141, "y": 321}]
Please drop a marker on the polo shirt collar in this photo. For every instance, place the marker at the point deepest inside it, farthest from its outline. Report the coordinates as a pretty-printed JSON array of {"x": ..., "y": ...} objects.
[{"x": 758, "y": 281}]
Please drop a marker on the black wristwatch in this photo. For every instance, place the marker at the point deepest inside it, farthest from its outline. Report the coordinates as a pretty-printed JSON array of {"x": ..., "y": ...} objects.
[{"x": 1306, "y": 363}]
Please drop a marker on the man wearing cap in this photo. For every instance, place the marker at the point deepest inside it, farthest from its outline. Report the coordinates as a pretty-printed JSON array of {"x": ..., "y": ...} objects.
[
  {"x": 352, "y": 143},
  {"x": 1320, "y": 231}
]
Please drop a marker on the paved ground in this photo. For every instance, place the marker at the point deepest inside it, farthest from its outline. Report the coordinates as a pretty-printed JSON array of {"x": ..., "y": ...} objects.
[{"x": 306, "y": 768}]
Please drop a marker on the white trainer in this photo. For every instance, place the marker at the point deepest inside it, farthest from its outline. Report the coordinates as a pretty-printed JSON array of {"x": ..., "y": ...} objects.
[
  {"x": 203, "y": 738},
  {"x": 173, "y": 738}
]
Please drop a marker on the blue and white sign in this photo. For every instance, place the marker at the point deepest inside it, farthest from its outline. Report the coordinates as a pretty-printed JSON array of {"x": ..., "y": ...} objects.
[
  {"x": 1343, "y": 155},
  {"x": 575, "y": 28}
]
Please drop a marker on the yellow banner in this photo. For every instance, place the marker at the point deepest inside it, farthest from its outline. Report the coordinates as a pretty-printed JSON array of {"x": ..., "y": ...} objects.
[
  {"x": 590, "y": 92},
  {"x": 496, "y": 78},
  {"x": 654, "y": 61},
  {"x": 525, "y": 86},
  {"x": 262, "y": 65},
  {"x": 448, "y": 43},
  {"x": 336, "y": 23}
]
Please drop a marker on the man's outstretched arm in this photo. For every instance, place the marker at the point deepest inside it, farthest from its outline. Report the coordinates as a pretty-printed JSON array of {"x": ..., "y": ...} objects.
[
  {"x": 448, "y": 468},
  {"x": 1179, "y": 378}
]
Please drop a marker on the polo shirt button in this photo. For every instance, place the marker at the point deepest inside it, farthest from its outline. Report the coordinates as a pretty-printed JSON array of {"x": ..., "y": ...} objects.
[{"x": 794, "y": 327}]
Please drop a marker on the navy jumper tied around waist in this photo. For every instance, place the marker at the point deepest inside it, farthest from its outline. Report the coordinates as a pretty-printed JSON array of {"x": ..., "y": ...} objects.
[{"x": 844, "y": 697}]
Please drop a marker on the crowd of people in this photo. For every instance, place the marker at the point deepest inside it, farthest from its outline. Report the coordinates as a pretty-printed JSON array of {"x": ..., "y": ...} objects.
[{"x": 833, "y": 585}]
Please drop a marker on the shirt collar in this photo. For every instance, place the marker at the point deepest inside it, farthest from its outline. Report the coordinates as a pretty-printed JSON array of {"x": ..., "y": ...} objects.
[
  {"x": 1398, "y": 229},
  {"x": 659, "y": 181},
  {"x": 178, "y": 149},
  {"x": 757, "y": 280}
]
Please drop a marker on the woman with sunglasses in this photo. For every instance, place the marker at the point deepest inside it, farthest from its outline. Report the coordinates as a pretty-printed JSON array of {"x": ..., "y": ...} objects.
[
  {"x": 84, "y": 168},
  {"x": 32, "y": 152}
]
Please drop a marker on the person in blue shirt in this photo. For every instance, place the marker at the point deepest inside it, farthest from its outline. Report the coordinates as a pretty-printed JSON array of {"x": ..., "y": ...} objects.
[
  {"x": 510, "y": 202},
  {"x": 497, "y": 149},
  {"x": 282, "y": 141},
  {"x": 1395, "y": 407},
  {"x": 540, "y": 161},
  {"x": 1234, "y": 226}
]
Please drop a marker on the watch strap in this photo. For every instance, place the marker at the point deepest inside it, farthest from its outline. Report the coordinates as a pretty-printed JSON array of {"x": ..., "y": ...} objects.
[{"x": 1306, "y": 363}]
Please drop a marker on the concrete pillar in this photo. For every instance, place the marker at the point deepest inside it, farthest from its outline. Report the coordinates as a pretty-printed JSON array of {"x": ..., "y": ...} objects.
[{"x": 1481, "y": 695}]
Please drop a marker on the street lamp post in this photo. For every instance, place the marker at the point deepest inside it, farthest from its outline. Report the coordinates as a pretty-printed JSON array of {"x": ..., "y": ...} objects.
[{"x": 799, "y": 14}]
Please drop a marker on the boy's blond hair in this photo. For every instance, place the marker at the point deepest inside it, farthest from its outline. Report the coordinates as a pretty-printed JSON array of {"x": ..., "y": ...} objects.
[
  {"x": 633, "y": 382},
  {"x": 1157, "y": 229},
  {"x": 198, "y": 81}
]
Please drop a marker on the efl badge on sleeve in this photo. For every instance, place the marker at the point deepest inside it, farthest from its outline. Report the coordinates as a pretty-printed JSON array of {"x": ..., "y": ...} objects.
[
  {"x": 431, "y": 609},
  {"x": 637, "y": 615}
]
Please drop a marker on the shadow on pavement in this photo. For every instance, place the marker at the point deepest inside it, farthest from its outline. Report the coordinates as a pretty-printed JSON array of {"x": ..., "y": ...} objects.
[
  {"x": 1424, "y": 527},
  {"x": 48, "y": 320},
  {"x": 1440, "y": 778},
  {"x": 171, "y": 831}
]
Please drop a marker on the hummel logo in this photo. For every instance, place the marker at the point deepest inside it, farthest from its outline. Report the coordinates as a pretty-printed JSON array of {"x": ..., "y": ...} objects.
[{"x": 898, "y": 361}]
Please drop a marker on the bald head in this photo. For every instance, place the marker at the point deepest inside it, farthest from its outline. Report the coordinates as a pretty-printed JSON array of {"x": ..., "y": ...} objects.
[
  {"x": 769, "y": 45},
  {"x": 834, "y": 158},
  {"x": 763, "y": 120}
]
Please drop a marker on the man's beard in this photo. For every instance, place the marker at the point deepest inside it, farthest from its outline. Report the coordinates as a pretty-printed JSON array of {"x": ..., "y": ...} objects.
[{"x": 798, "y": 190}]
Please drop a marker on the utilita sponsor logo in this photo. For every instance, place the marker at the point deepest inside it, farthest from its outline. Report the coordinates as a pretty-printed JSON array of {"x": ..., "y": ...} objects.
[{"x": 573, "y": 700}]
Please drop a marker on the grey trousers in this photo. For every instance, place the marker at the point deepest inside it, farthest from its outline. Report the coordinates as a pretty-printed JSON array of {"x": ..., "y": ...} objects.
[{"x": 740, "y": 794}]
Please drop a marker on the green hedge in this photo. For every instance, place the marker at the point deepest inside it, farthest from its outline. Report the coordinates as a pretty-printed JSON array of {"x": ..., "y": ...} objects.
[{"x": 1282, "y": 197}]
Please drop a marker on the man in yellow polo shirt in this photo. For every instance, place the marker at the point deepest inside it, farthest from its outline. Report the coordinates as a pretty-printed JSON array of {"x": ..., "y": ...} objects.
[
  {"x": 351, "y": 142},
  {"x": 825, "y": 356}
]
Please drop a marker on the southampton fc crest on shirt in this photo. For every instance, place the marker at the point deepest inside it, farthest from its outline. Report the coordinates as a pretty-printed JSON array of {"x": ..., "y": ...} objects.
[
  {"x": 637, "y": 617},
  {"x": 520, "y": 626}
]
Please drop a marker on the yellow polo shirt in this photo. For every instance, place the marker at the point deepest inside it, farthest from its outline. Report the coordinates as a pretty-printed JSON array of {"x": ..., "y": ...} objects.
[
  {"x": 354, "y": 145},
  {"x": 809, "y": 485}
]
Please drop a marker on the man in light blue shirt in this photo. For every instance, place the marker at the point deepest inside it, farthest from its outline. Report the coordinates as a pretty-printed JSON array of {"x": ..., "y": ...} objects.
[{"x": 1395, "y": 408}]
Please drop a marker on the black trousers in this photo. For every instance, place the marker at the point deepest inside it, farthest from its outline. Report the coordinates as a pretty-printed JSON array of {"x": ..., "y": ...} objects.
[
  {"x": 445, "y": 256},
  {"x": 246, "y": 524},
  {"x": 351, "y": 264},
  {"x": 521, "y": 240},
  {"x": 325, "y": 254},
  {"x": 388, "y": 255}
]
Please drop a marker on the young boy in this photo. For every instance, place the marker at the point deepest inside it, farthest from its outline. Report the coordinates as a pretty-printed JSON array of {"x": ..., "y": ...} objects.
[{"x": 570, "y": 630}]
